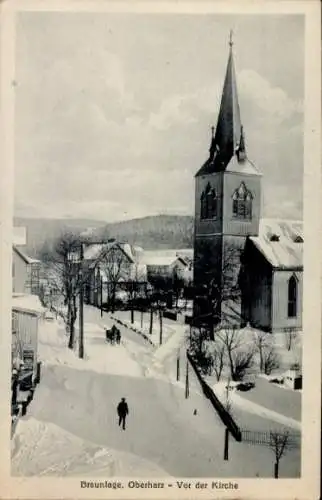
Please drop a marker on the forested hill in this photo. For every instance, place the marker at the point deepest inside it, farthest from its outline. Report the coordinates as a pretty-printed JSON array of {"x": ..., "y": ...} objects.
[
  {"x": 160, "y": 231},
  {"x": 152, "y": 232}
]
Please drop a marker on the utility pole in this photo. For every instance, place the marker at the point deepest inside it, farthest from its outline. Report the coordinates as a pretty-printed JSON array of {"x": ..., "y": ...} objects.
[
  {"x": 187, "y": 379},
  {"x": 160, "y": 318},
  {"x": 81, "y": 305},
  {"x": 101, "y": 297},
  {"x": 178, "y": 364},
  {"x": 226, "y": 445}
]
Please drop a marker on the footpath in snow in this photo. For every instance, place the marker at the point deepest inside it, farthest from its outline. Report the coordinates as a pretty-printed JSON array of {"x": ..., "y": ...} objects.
[
  {"x": 174, "y": 338},
  {"x": 71, "y": 426},
  {"x": 43, "y": 448}
]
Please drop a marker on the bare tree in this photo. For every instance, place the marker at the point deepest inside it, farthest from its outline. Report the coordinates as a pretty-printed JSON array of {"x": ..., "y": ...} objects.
[
  {"x": 218, "y": 359},
  {"x": 199, "y": 349},
  {"x": 270, "y": 360},
  {"x": 240, "y": 355},
  {"x": 60, "y": 263},
  {"x": 218, "y": 296},
  {"x": 116, "y": 268},
  {"x": 279, "y": 443},
  {"x": 290, "y": 337},
  {"x": 262, "y": 341},
  {"x": 133, "y": 286}
]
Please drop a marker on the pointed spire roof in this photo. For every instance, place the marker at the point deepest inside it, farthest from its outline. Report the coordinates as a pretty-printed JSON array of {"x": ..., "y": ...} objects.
[
  {"x": 228, "y": 129},
  {"x": 228, "y": 139}
]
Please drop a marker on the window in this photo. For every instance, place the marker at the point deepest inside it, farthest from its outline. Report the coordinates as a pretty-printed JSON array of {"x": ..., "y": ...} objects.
[
  {"x": 242, "y": 203},
  {"x": 292, "y": 297},
  {"x": 208, "y": 203},
  {"x": 203, "y": 209}
]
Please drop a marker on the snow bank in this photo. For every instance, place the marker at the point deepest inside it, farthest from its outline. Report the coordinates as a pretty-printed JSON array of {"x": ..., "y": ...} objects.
[
  {"x": 44, "y": 449},
  {"x": 167, "y": 330},
  {"x": 173, "y": 343},
  {"x": 234, "y": 399}
]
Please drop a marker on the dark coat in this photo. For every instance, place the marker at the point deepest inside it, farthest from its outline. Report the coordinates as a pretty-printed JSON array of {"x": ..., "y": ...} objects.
[{"x": 122, "y": 409}]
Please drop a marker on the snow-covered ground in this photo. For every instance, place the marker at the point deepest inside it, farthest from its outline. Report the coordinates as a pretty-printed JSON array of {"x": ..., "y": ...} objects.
[
  {"x": 237, "y": 400},
  {"x": 71, "y": 426},
  {"x": 45, "y": 449}
]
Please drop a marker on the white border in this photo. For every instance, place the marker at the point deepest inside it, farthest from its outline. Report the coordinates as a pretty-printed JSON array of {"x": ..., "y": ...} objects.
[{"x": 308, "y": 486}]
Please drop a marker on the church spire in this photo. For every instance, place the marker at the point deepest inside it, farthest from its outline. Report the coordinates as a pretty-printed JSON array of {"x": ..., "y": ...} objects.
[
  {"x": 227, "y": 147},
  {"x": 228, "y": 130}
]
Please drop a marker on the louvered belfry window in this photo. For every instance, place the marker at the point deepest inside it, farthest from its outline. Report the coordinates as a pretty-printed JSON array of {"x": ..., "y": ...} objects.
[
  {"x": 242, "y": 203},
  {"x": 208, "y": 203},
  {"x": 292, "y": 297}
]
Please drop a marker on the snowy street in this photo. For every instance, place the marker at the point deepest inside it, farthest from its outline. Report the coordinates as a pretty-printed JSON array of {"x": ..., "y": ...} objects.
[{"x": 74, "y": 409}]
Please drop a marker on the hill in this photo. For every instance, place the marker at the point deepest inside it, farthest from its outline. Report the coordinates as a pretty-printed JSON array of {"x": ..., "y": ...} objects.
[{"x": 152, "y": 232}]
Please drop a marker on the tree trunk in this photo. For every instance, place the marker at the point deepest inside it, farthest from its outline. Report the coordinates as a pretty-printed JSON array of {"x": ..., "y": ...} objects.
[
  {"x": 151, "y": 321},
  {"x": 261, "y": 362},
  {"x": 161, "y": 325},
  {"x": 70, "y": 324},
  {"x": 132, "y": 314},
  {"x": 231, "y": 364},
  {"x": 276, "y": 470}
]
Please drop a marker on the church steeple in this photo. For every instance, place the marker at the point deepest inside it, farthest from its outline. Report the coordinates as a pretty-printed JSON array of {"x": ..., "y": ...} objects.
[
  {"x": 228, "y": 129},
  {"x": 228, "y": 139}
]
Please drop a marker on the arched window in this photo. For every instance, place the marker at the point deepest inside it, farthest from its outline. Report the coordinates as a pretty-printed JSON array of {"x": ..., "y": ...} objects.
[
  {"x": 203, "y": 208},
  {"x": 208, "y": 202},
  {"x": 242, "y": 203},
  {"x": 292, "y": 297}
]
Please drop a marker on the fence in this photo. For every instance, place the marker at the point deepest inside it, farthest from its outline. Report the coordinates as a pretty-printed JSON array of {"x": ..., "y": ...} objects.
[
  {"x": 220, "y": 409},
  {"x": 266, "y": 438}
]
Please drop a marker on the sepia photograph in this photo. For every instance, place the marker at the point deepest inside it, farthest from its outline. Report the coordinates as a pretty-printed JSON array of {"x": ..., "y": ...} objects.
[{"x": 157, "y": 260}]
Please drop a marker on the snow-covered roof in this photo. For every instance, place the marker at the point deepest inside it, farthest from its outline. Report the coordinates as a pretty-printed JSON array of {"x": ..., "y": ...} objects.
[
  {"x": 93, "y": 251},
  {"x": 19, "y": 235},
  {"x": 244, "y": 167},
  {"x": 160, "y": 258},
  {"x": 25, "y": 257},
  {"x": 281, "y": 242},
  {"x": 27, "y": 303}
]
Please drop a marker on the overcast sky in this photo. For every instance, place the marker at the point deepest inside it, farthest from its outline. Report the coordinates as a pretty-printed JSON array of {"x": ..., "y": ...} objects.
[{"x": 113, "y": 111}]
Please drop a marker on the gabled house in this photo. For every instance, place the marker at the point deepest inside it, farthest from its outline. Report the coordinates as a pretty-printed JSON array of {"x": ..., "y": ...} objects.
[
  {"x": 110, "y": 268},
  {"x": 167, "y": 264}
]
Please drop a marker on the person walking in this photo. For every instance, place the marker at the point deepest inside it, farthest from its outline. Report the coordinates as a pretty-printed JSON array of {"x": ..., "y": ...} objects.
[{"x": 122, "y": 411}]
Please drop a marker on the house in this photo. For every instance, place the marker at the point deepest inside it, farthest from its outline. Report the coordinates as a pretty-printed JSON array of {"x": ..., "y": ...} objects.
[
  {"x": 26, "y": 313},
  {"x": 246, "y": 269},
  {"x": 166, "y": 264},
  {"x": 110, "y": 268}
]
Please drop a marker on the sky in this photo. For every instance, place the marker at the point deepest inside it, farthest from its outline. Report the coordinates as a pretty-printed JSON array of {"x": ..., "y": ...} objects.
[{"x": 113, "y": 111}]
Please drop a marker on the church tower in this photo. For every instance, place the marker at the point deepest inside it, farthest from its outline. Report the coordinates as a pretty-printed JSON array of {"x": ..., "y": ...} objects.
[{"x": 227, "y": 210}]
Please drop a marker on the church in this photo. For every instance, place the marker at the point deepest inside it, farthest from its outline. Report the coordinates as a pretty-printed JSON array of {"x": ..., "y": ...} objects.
[{"x": 247, "y": 270}]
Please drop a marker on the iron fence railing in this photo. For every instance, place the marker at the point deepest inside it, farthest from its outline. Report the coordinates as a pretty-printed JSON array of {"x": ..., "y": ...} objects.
[{"x": 266, "y": 438}]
